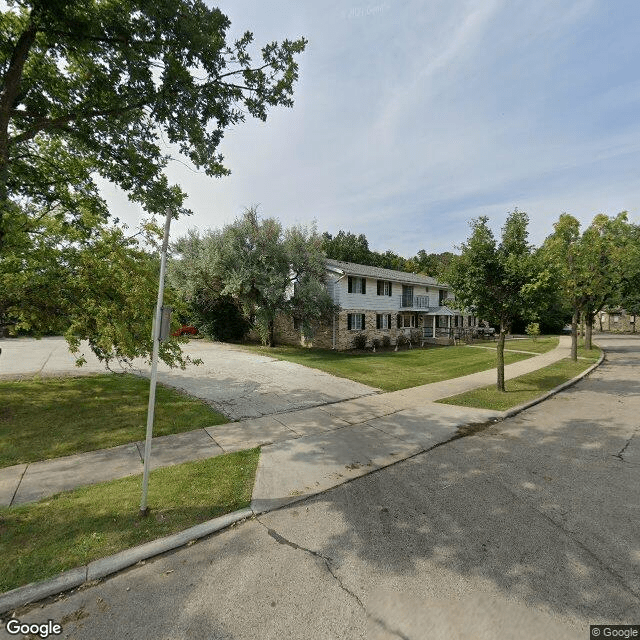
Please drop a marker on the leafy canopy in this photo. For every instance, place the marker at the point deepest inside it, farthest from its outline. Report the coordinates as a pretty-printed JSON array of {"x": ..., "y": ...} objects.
[
  {"x": 91, "y": 87},
  {"x": 104, "y": 88},
  {"x": 264, "y": 268},
  {"x": 497, "y": 281}
]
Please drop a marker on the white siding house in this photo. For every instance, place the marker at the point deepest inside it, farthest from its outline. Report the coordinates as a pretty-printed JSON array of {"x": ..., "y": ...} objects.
[{"x": 383, "y": 302}]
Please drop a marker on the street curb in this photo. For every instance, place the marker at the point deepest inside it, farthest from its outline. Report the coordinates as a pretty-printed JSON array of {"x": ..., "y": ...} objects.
[
  {"x": 555, "y": 390},
  {"x": 111, "y": 564}
]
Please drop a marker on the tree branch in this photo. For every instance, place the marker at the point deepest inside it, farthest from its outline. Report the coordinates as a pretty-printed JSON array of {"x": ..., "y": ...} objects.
[{"x": 59, "y": 122}]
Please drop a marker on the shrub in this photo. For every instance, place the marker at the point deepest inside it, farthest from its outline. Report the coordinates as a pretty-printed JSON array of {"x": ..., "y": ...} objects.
[
  {"x": 533, "y": 330},
  {"x": 401, "y": 340},
  {"x": 386, "y": 341},
  {"x": 360, "y": 341},
  {"x": 375, "y": 343}
]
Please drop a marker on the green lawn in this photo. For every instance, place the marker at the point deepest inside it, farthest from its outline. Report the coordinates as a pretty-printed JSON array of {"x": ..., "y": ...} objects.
[
  {"x": 73, "y": 528},
  {"x": 541, "y": 345},
  {"x": 52, "y": 417},
  {"x": 391, "y": 370},
  {"x": 524, "y": 388}
]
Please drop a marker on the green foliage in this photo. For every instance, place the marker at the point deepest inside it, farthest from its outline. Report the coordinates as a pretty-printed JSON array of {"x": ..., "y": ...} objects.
[
  {"x": 360, "y": 341},
  {"x": 348, "y": 247},
  {"x": 90, "y": 90},
  {"x": 594, "y": 268},
  {"x": 498, "y": 282},
  {"x": 386, "y": 341},
  {"x": 401, "y": 340},
  {"x": 264, "y": 269},
  {"x": 90, "y": 87},
  {"x": 375, "y": 344},
  {"x": 533, "y": 330},
  {"x": 98, "y": 285}
]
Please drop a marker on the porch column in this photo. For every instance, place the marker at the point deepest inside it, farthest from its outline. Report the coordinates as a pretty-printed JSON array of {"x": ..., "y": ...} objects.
[{"x": 434, "y": 326}]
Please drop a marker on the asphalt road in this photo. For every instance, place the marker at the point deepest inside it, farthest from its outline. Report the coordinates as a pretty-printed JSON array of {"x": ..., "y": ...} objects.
[{"x": 528, "y": 529}]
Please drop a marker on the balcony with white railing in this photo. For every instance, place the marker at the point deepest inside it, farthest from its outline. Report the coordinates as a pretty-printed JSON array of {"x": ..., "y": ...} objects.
[{"x": 414, "y": 302}]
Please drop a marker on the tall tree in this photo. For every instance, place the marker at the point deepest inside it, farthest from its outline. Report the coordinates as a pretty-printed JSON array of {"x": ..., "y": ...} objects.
[
  {"x": 497, "y": 281},
  {"x": 347, "y": 247},
  {"x": 265, "y": 269},
  {"x": 589, "y": 266},
  {"x": 91, "y": 88}
]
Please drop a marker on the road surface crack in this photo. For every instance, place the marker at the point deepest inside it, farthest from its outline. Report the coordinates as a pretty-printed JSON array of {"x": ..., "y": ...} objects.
[
  {"x": 620, "y": 454},
  {"x": 330, "y": 568}
]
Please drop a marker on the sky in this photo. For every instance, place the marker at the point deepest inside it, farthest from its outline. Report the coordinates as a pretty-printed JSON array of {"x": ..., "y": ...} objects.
[{"x": 412, "y": 118}]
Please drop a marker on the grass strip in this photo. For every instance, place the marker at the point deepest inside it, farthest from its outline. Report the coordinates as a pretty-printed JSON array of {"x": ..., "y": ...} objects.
[
  {"x": 391, "y": 370},
  {"x": 46, "y": 418},
  {"x": 72, "y": 528},
  {"x": 524, "y": 388}
]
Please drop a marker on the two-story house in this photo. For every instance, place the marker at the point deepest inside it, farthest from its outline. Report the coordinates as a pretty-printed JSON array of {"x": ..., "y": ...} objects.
[{"x": 382, "y": 302}]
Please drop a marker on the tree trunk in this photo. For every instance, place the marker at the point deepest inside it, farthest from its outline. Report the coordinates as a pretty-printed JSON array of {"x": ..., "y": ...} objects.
[
  {"x": 11, "y": 82},
  {"x": 271, "y": 340},
  {"x": 589, "y": 331},
  {"x": 574, "y": 336},
  {"x": 500, "y": 357}
]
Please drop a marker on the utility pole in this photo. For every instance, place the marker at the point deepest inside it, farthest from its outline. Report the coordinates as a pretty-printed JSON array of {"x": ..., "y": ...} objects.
[{"x": 156, "y": 333}]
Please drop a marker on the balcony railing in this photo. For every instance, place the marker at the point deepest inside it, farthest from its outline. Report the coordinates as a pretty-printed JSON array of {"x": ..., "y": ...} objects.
[{"x": 414, "y": 302}]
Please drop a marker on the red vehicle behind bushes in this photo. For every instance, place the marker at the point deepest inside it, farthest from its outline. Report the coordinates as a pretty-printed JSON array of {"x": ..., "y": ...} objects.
[{"x": 186, "y": 330}]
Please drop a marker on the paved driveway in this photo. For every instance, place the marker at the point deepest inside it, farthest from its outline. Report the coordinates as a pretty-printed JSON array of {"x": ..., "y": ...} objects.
[{"x": 238, "y": 383}]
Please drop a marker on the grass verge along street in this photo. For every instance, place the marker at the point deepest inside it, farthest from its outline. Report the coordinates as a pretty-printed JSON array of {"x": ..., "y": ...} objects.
[
  {"x": 72, "y": 528},
  {"x": 527, "y": 387},
  {"x": 46, "y": 418}
]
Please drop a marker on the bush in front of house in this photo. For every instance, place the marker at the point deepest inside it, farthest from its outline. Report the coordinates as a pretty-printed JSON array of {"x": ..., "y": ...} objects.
[
  {"x": 386, "y": 341},
  {"x": 402, "y": 340},
  {"x": 360, "y": 341},
  {"x": 375, "y": 344}
]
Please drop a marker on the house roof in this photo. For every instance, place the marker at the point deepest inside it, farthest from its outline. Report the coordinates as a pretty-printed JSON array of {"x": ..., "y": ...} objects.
[{"x": 351, "y": 268}]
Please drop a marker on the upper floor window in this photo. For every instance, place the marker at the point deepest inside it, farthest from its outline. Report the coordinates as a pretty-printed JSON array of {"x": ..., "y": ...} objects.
[
  {"x": 384, "y": 288},
  {"x": 357, "y": 285},
  {"x": 442, "y": 296}
]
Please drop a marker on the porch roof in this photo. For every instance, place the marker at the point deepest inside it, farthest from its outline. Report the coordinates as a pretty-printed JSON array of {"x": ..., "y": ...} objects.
[{"x": 440, "y": 311}]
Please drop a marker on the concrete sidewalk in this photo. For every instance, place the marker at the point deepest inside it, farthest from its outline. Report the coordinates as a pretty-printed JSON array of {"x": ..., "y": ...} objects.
[{"x": 303, "y": 452}]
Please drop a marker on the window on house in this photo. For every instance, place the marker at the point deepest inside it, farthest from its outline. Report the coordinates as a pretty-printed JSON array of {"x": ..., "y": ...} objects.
[
  {"x": 357, "y": 285},
  {"x": 384, "y": 288},
  {"x": 297, "y": 324},
  {"x": 355, "y": 321},
  {"x": 406, "y": 321},
  {"x": 383, "y": 321},
  {"x": 442, "y": 296}
]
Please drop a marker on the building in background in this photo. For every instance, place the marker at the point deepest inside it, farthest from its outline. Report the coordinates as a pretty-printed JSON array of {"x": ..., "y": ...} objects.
[{"x": 390, "y": 306}]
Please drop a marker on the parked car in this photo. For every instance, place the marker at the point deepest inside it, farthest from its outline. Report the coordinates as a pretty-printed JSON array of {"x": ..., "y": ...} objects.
[
  {"x": 566, "y": 330},
  {"x": 186, "y": 330}
]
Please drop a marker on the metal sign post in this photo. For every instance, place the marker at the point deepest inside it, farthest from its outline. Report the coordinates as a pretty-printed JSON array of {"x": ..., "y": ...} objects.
[{"x": 157, "y": 323}]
